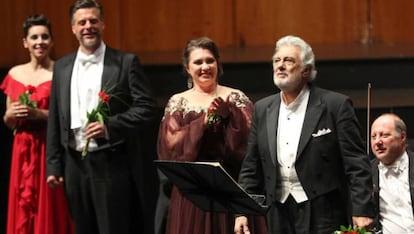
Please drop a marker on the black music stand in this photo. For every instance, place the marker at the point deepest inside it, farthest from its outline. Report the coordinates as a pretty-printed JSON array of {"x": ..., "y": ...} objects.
[{"x": 211, "y": 188}]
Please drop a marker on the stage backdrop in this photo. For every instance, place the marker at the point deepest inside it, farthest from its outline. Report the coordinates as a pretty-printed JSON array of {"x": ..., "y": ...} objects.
[{"x": 160, "y": 25}]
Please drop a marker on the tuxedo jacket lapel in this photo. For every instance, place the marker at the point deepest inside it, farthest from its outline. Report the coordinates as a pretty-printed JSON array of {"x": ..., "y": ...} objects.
[
  {"x": 272, "y": 117},
  {"x": 375, "y": 175},
  {"x": 65, "y": 87},
  {"x": 375, "y": 181},
  {"x": 313, "y": 113},
  {"x": 111, "y": 69}
]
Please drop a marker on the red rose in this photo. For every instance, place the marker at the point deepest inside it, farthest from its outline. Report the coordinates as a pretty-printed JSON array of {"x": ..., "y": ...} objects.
[
  {"x": 30, "y": 89},
  {"x": 104, "y": 97},
  {"x": 97, "y": 114}
]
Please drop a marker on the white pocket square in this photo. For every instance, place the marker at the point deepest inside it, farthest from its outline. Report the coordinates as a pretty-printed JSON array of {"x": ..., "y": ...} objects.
[{"x": 322, "y": 132}]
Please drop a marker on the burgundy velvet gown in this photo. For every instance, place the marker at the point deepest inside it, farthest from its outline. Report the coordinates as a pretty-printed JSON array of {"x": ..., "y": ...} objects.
[
  {"x": 182, "y": 137},
  {"x": 33, "y": 207}
]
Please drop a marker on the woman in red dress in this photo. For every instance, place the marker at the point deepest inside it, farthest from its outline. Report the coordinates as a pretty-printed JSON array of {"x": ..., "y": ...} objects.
[
  {"x": 207, "y": 122},
  {"x": 33, "y": 207}
]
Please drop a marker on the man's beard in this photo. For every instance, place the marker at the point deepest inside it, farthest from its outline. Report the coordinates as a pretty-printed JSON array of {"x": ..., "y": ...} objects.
[{"x": 286, "y": 83}]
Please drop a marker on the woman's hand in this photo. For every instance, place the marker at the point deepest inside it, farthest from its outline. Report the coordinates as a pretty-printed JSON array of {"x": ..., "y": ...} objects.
[
  {"x": 220, "y": 107},
  {"x": 16, "y": 111}
]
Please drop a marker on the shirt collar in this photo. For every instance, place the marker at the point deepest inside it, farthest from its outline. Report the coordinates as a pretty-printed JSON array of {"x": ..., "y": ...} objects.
[
  {"x": 303, "y": 95},
  {"x": 96, "y": 57},
  {"x": 396, "y": 167}
]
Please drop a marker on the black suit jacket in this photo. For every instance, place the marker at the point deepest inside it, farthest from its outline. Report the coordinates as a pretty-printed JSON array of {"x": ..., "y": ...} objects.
[
  {"x": 132, "y": 108},
  {"x": 375, "y": 174},
  {"x": 323, "y": 163}
]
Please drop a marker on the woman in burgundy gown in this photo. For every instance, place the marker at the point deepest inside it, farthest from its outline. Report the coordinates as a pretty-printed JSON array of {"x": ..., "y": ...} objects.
[
  {"x": 33, "y": 206},
  {"x": 207, "y": 122}
]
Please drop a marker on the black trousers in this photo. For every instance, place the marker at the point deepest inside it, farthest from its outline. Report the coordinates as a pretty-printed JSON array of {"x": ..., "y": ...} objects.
[
  {"x": 99, "y": 191},
  {"x": 322, "y": 215}
]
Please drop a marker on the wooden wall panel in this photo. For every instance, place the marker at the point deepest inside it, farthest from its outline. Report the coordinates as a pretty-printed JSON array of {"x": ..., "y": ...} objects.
[
  {"x": 155, "y": 26},
  {"x": 58, "y": 14},
  {"x": 392, "y": 21},
  {"x": 262, "y": 22},
  {"x": 113, "y": 26},
  {"x": 15, "y": 12},
  {"x": 160, "y": 25},
  {"x": 12, "y": 15}
]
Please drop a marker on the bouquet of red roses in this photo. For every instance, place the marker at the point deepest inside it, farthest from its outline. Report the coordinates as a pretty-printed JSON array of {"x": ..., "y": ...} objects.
[{"x": 98, "y": 114}]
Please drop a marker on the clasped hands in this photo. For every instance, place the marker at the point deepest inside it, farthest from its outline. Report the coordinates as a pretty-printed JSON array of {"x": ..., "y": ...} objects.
[
  {"x": 219, "y": 107},
  {"x": 19, "y": 111}
]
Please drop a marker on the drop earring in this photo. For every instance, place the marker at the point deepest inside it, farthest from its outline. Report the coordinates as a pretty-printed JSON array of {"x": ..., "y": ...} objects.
[{"x": 189, "y": 82}]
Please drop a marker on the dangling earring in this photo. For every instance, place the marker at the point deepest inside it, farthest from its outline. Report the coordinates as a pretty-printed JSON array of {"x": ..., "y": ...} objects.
[{"x": 189, "y": 82}]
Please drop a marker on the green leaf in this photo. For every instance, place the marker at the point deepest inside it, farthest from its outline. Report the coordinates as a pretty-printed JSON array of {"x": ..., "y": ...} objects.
[
  {"x": 24, "y": 99},
  {"x": 213, "y": 118},
  {"x": 21, "y": 99},
  {"x": 350, "y": 228},
  {"x": 32, "y": 104},
  {"x": 346, "y": 229},
  {"x": 100, "y": 118}
]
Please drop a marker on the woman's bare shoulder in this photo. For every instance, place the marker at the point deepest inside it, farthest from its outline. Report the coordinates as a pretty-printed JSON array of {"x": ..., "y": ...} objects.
[{"x": 18, "y": 70}]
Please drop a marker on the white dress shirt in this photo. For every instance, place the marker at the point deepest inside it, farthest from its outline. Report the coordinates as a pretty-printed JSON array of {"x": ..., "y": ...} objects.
[
  {"x": 396, "y": 213},
  {"x": 85, "y": 87},
  {"x": 289, "y": 129}
]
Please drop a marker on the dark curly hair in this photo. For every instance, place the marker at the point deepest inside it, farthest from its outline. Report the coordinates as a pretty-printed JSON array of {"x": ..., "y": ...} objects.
[{"x": 36, "y": 19}]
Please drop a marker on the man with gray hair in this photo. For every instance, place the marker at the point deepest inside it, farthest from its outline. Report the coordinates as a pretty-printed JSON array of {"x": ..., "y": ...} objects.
[
  {"x": 393, "y": 175},
  {"x": 305, "y": 152}
]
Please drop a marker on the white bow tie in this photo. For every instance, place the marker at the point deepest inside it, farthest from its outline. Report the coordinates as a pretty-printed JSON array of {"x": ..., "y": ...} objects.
[
  {"x": 388, "y": 170},
  {"x": 84, "y": 59}
]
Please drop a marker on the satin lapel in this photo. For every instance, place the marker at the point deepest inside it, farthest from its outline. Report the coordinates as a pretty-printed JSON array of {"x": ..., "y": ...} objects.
[
  {"x": 312, "y": 116},
  {"x": 65, "y": 87},
  {"x": 272, "y": 117},
  {"x": 111, "y": 69},
  {"x": 411, "y": 176},
  {"x": 375, "y": 176},
  {"x": 375, "y": 181}
]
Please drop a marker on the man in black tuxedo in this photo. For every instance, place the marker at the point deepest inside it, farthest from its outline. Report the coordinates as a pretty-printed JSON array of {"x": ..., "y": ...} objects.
[
  {"x": 393, "y": 175},
  {"x": 305, "y": 152},
  {"x": 99, "y": 185}
]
